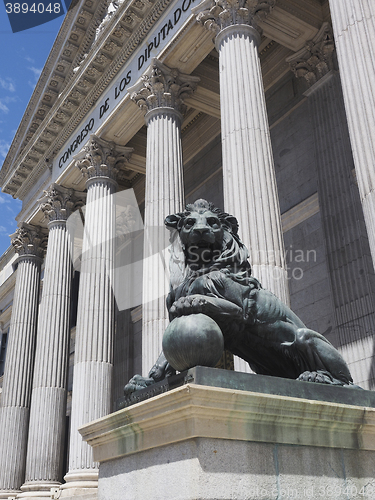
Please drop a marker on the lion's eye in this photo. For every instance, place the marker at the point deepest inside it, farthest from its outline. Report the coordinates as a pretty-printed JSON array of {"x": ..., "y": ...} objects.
[
  {"x": 213, "y": 221},
  {"x": 189, "y": 222}
]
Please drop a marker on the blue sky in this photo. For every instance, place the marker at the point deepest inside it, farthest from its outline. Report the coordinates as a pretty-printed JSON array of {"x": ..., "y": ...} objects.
[{"x": 22, "y": 58}]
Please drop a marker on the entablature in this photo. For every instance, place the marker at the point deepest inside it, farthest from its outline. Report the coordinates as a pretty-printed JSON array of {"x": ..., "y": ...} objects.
[
  {"x": 84, "y": 69},
  {"x": 33, "y": 138}
]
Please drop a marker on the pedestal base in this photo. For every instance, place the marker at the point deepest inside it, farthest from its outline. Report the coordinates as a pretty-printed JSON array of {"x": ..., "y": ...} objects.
[
  {"x": 35, "y": 490},
  {"x": 215, "y": 443},
  {"x": 80, "y": 484},
  {"x": 221, "y": 469},
  {"x": 80, "y": 493},
  {"x": 11, "y": 494}
]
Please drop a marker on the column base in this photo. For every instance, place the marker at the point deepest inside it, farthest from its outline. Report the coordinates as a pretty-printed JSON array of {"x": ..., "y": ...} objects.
[
  {"x": 80, "y": 484},
  {"x": 9, "y": 494}
]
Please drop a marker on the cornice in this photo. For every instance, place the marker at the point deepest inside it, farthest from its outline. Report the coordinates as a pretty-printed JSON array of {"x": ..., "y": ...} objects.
[
  {"x": 85, "y": 74},
  {"x": 113, "y": 47}
]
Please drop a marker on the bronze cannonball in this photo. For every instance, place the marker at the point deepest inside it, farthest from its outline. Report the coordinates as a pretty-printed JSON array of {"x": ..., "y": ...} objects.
[{"x": 193, "y": 340}]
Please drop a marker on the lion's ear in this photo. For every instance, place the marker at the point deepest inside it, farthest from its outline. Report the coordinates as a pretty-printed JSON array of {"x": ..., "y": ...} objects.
[
  {"x": 231, "y": 222},
  {"x": 172, "y": 221}
]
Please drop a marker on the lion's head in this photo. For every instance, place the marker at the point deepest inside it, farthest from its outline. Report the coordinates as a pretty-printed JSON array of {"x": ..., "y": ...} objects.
[{"x": 209, "y": 237}]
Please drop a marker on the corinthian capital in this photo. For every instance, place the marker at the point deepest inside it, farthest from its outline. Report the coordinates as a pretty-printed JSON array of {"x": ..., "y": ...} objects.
[
  {"x": 219, "y": 14},
  {"x": 162, "y": 87},
  {"x": 58, "y": 202},
  {"x": 100, "y": 158},
  {"x": 315, "y": 59},
  {"x": 29, "y": 240}
]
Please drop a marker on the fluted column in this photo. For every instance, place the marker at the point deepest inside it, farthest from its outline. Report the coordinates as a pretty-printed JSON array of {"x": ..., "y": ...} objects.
[
  {"x": 347, "y": 250},
  {"x": 48, "y": 399},
  {"x": 354, "y": 30},
  {"x": 249, "y": 182},
  {"x": 160, "y": 95},
  {"x": 250, "y": 191},
  {"x": 29, "y": 241},
  {"x": 100, "y": 162}
]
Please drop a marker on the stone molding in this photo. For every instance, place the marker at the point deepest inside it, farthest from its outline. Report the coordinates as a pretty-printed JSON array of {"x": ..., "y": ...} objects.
[
  {"x": 301, "y": 212},
  {"x": 217, "y": 15},
  {"x": 75, "y": 87},
  {"x": 100, "y": 158},
  {"x": 163, "y": 87},
  {"x": 199, "y": 411},
  {"x": 315, "y": 59},
  {"x": 29, "y": 240},
  {"x": 136, "y": 314},
  {"x": 60, "y": 202},
  {"x": 121, "y": 37},
  {"x": 74, "y": 39}
]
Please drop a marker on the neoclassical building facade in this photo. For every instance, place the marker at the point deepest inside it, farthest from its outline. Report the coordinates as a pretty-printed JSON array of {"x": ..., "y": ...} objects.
[{"x": 265, "y": 108}]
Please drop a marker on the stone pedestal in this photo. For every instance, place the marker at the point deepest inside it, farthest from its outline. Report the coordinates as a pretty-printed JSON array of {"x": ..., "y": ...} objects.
[{"x": 201, "y": 441}]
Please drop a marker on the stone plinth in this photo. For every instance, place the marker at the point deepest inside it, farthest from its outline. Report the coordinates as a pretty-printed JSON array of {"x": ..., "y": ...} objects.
[
  {"x": 204, "y": 442},
  {"x": 160, "y": 94}
]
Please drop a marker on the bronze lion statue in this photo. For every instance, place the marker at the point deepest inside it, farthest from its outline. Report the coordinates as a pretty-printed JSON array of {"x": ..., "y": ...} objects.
[{"x": 211, "y": 275}]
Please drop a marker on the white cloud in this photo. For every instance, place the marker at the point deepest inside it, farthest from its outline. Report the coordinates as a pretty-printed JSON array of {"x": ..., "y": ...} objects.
[
  {"x": 13, "y": 204},
  {"x": 28, "y": 59},
  {"x": 4, "y": 230},
  {"x": 7, "y": 84},
  {"x": 36, "y": 73},
  {"x": 3, "y": 107},
  {"x": 4, "y": 101}
]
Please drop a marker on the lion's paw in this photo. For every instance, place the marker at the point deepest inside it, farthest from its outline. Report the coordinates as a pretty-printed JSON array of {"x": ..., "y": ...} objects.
[
  {"x": 137, "y": 383},
  {"x": 192, "y": 304},
  {"x": 320, "y": 377}
]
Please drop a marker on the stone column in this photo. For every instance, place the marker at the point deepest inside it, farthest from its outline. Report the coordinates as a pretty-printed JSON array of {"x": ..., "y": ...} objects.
[
  {"x": 48, "y": 399},
  {"x": 100, "y": 161},
  {"x": 250, "y": 191},
  {"x": 29, "y": 241},
  {"x": 350, "y": 268},
  {"x": 354, "y": 30},
  {"x": 160, "y": 95}
]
